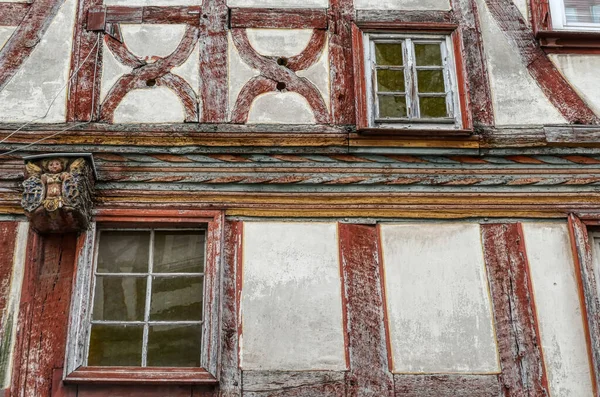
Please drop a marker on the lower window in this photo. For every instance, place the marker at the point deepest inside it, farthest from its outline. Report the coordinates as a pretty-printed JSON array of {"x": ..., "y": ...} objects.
[{"x": 148, "y": 298}]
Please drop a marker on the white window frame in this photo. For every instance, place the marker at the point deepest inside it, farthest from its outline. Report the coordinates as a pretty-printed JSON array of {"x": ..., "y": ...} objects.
[
  {"x": 75, "y": 370},
  {"x": 559, "y": 19},
  {"x": 454, "y": 119}
]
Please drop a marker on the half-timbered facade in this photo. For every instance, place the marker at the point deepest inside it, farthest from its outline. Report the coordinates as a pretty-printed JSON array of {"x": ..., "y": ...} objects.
[{"x": 285, "y": 198}]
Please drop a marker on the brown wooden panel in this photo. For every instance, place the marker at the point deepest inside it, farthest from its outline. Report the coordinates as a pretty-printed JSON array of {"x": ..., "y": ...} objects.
[
  {"x": 293, "y": 384},
  {"x": 134, "y": 391},
  {"x": 8, "y": 235},
  {"x": 521, "y": 358},
  {"x": 278, "y": 18},
  {"x": 341, "y": 61},
  {"x": 447, "y": 386},
  {"x": 359, "y": 253},
  {"x": 44, "y": 313},
  {"x": 588, "y": 288}
]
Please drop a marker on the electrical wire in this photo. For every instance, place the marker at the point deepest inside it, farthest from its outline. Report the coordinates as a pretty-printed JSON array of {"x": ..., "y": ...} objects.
[{"x": 54, "y": 100}]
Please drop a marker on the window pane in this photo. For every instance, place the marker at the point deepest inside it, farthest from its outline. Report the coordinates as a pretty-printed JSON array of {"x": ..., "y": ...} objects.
[
  {"x": 431, "y": 81},
  {"x": 120, "y": 298},
  {"x": 176, "y": 299},
  {"x": 174, "y": 346},
  {"x": 582, "y": 11},
  {"x": 433, "y": 107},
  {"x": 392, "y": 106},
  {"x": 116, "y": 345},
  {"x": 428, "y": 54},
  {"x": 178, "y": 252},
  {"x": 390, "y": 80},
  {"x": 123, "y": 252},
  {"x": 388, "y": 54}
]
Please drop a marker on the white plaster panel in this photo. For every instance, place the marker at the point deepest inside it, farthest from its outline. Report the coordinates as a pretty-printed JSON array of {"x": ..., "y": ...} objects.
[
  {"x": 279, "y": 3},
  {"x": 239, "y": 73},
  {"x": 439, "y": 307},
  {"x": 43, "y": 77},
  {"x": 148, "y": 40},
  {"x": 516, "y": 96},
  {"x": 190, "y": 69},
  {"x": 291, "y": 297},
  {"x": 402, "y": 4},
  {"x": 558, "y": 309},
  {"x": 131, "y": 3},
  {"x": 281, "y": 108},
  {"x": 5, "y": 33},
  {"x": 112, "y": 70},
  {"x": 523, "y": 6},
  {"x": 581, "y": 71},
  {"x": 151, "y": 105},
  {"x": 318, "y": 74},
  {"x": 11, "y": 311},
  {"x": 279, "y": 42}
]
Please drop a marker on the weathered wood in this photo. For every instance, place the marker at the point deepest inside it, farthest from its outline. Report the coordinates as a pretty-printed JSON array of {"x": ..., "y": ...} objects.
[
  {"x": 140, "y": 376},
  {"x": 44, "y": 314},
  {"x": 478, "y": 85},
  {"x": 58, "y": 388},
  {"x": 26, "y": 37},
  {"x": 341, "y": 13},
  {"x": 293, "y": 384},
  {"x": 553, "y": 84},
  {"x": 86, "y": 67},
  {"x": 275, "y": 77},
  {"x": 393, "y": 17},
  {"x": 588, "y": 284},
  {"x": 521, "y": 358},
  {"x": 213, "y": 61},
  {"x": 230, "y": 374},
  {"x": 446, "y": 385},
  {"x": 11, "y": 14},
  {"x": 368, "y": 352},
  {"x": 8, "y": 242},
  {"x": 133, "y": 391},
  {"x": 272, "y": 18}
]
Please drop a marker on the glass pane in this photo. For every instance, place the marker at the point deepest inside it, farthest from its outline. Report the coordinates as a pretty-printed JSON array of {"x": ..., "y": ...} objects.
[
  {"x": 392, "y": 106},
  {"x": 174, "y": 345},
  {"x": 433, "y": 107},
  {"x": 120, "y": 298},
  {"x": 123, "y": 252},
  {"x": 176, "y": 299},
  {"x": 179, "y": 252},
  {"x": 582, "y": 11},
  {"x": 428, "y": 54},
  {"x": 388, "y": 54},
  {"x": 116, "y": 345},
  {"x": 431, "y": 81},
  {"x": 390, "y": 80}
]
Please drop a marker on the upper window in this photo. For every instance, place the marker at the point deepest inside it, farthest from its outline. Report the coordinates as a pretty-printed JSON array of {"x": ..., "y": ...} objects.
[
  {"x": 148, "y": 294},
  {"x": 575, "y": 14},
  {"x": 411, "y": 81}
]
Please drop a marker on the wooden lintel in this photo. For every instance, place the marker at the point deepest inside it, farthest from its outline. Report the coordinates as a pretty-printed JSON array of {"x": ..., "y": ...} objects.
[{"x": 278, "y": 18}]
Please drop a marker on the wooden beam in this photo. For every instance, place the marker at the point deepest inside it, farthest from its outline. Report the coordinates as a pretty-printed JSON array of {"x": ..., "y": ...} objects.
[
  {"x": 277, "y": 18},
  {"x": 521, "y": 358},
  {"x": 589, "y": 298},
  {"x": 446, "y": 385},
  {"x": 12, "y": 14},
  {"x": 364, "y": 308}
]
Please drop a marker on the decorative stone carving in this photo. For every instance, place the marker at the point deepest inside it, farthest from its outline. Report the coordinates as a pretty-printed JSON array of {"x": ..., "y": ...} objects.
[{"x": 57, "y": 192}]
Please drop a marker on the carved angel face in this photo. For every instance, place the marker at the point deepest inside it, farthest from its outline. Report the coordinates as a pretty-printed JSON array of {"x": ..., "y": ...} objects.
[{"x": 55, "y": 166}]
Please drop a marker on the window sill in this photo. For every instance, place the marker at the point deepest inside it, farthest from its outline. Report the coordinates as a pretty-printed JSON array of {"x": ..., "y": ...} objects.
[
  {"x": 416, "y": 132},
  {"x": 137, "y": 375},
  {"x": 569, "y": 41}
]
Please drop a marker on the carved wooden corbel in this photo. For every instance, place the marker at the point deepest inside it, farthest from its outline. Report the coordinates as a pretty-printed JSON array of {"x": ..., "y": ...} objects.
[{"x": 58, "y": 191}]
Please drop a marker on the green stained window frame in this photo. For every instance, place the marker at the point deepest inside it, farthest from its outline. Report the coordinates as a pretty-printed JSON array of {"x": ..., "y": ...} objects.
[{"x": 414, "y": 117}]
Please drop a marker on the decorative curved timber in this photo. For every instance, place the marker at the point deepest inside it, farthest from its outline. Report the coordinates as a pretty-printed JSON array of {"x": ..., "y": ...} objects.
[
  {"x": 157, "y": 73},
  {"x": 57, "y": 192},
  {"x": 273, "y": 75}
]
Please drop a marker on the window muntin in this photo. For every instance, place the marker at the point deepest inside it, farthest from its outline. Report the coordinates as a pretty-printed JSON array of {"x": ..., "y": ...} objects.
[
  {"x": 575, "y": 14},
  {"x": 411, "y": 80},
  {"x": 148, "y": 298}
]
